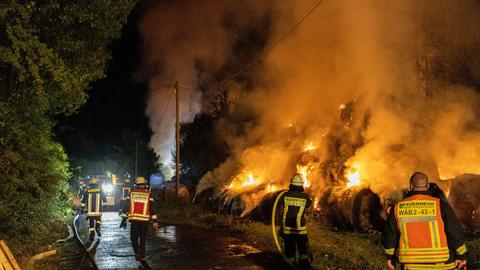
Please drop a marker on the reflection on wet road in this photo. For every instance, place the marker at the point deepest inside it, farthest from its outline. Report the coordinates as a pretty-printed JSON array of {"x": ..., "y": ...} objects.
[{"x": 178, "y": 247}]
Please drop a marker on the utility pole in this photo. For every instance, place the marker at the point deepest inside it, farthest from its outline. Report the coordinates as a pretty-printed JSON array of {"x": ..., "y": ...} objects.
[
  {"x": 136, "y": 160},
  {"x": 177, "y": 140}
]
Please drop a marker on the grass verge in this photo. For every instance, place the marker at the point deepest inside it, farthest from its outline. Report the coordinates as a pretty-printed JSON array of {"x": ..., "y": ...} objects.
[{"x": 331, "y": 249}]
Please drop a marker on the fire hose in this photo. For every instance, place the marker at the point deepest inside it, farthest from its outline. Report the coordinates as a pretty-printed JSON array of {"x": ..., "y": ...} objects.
[{"x": 274, "y": 231}]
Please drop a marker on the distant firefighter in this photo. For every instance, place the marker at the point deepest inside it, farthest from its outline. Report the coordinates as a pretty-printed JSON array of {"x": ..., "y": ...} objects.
[
  {"x": 139, "y": 210},
  {"x": 422, "y": 232},
  {"x": 294, "y": 203},
  {"x": 93, "y": 199}
]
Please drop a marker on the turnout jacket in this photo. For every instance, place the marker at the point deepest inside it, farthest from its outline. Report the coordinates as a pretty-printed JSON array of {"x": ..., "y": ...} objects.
[
  {"x": 93, "y": 199},
  {"x": 139, "y": 206},
  {"x": 294, "y": 203},
  {"x": 423, "y": 229}
]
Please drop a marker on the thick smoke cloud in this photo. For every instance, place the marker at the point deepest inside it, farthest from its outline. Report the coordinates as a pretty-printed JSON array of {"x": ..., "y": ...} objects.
[
  {"x": 185, "y": 41},
  {"x": 387, "y": 87}
]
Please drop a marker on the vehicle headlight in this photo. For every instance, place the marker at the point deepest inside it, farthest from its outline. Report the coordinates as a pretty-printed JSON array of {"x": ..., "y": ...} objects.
[{"x": 108, "y": 188}]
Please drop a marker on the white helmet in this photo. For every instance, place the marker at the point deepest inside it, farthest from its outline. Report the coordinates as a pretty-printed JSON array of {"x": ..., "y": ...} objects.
[{"x": 297, "y": 180}]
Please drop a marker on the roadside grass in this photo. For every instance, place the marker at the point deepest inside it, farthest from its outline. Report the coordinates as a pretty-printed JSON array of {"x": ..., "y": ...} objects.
[{"x": 331, "y": 249}]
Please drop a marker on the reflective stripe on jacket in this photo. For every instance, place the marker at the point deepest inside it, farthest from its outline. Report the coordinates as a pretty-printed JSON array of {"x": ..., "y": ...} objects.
[
  {"x": 94, "y": 198},
  {"x": 422, "y": 231},
  {"x": 139, "y": 209},
  {"x": 423, "y": 266},
  {"x": 294, "y": 205}
]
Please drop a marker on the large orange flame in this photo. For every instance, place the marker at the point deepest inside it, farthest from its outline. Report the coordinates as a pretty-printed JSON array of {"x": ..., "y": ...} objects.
[
  {"x": 304, "y": 171},
  {"x": 353, "y": 175}
]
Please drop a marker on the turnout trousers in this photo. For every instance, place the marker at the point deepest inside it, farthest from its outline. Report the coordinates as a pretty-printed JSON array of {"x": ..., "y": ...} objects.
[
  {"x": 138, "y": 236},
  {"x": 94, "y": 225},
  {"x": 294, "y": 243}
]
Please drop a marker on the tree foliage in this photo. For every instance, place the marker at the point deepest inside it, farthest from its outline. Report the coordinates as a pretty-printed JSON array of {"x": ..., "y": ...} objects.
[
  {"x": 202, "y": 150},
  {"x": 49, "y": 53}
]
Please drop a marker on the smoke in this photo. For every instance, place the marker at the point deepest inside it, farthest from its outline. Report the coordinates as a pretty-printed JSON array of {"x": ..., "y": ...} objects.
[
  {"x": 187, "y": 42},
  {"x": 383, "y": 87}
]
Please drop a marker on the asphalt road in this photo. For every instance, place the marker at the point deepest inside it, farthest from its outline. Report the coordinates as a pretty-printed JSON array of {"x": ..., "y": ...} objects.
[{"x": 180, "y": 247}]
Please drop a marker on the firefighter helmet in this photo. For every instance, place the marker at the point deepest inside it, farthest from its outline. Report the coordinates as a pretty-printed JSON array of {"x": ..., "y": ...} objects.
[
  {"x": 297, "y": 180},
  {"x": 140, "y": 181},
  {"x": 94, "y": 180}
]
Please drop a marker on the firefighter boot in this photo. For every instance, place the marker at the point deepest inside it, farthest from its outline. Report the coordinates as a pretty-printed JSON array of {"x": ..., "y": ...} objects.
[
  {"x": 98, "y": 227},
  {"x": 305, "y": 262},
  {"x": 92, "y": 235}
]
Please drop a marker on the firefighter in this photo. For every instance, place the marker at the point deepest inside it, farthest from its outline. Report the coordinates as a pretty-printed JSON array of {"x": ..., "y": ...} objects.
[
  {"x": 422, "y": 231},
  {"x": 294, "y": 204},
  {"x": 93, "y": 199},
  {"x": 139, "y": 210},
  {"x": 81, "y": 189}
]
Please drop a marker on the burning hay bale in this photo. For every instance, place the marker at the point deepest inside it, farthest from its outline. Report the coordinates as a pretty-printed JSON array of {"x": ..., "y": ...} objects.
[
  {"x": 230, "y": 203},
  {"x": 353, "y": 209},
  {"x": 464, "y": 196},
  {"x": 263, "y": 212},
  {"x": 212, "y": 199}
]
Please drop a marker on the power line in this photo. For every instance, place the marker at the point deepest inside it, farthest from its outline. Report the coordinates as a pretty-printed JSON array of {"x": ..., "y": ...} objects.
[{"x": 269, "y": 49}]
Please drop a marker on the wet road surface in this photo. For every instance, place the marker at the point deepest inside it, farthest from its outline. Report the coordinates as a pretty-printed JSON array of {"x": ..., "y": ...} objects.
[{"x": 180, "y": 247}]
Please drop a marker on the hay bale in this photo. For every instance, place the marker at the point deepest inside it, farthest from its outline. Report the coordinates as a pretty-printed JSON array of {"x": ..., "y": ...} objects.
[
  {"x": 464, "y": 196},
  {"x": 354, "y": 209},
  {"x": 263, "y": 211}
]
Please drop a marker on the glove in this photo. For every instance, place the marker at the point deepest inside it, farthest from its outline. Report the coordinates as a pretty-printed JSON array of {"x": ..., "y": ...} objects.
[{"x": 123, "y": 224}]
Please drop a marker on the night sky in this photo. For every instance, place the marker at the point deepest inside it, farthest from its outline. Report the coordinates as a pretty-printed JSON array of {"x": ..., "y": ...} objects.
[{"x": 115, "y": 104}]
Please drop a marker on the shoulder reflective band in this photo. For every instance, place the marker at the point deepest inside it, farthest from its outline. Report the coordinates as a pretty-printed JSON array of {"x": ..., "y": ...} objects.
[
  {"x": 389, "y": 251},
  {"x": 462, "y": 249}
]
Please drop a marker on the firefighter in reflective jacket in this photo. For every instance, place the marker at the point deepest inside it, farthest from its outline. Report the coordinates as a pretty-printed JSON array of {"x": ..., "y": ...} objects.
[
  {"x": 293, "y": 229},
  {"x": 139, "y": 210},
  {"x": 422, "y": 231},
  {"x": 93, "y": 199}
]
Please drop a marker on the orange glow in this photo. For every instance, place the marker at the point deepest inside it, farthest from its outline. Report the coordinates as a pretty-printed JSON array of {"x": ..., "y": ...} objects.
[
  {"x": 353, "y": 176},
  {"x": 304, "y": 171},
  {"x": 271, "y": 188},
  {"x": 249, "y": 181},
  {"x": 243, "y": 181},
  {"x": 315, "y": 203},
  {"x": 309, "y": 147}
]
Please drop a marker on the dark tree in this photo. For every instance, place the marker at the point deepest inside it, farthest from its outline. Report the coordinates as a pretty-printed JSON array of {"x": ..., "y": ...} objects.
[{"x": 50, "y": 51}]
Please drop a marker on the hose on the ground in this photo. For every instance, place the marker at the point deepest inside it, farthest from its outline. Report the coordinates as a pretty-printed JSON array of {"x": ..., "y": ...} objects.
[{"x": 82, "y": 245}]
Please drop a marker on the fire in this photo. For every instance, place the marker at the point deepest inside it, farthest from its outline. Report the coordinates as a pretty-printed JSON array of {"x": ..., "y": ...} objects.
[
  {"x": 271, "y": 188},
  {"x": 249, "y": 181},
  {"x": 309, "y": 147},
  {"x": 243, "y": 181},
  {"x": 304, "y": 171},
  {"x": 353, "y": 176},
  {"x": 315, "y": 203}
]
